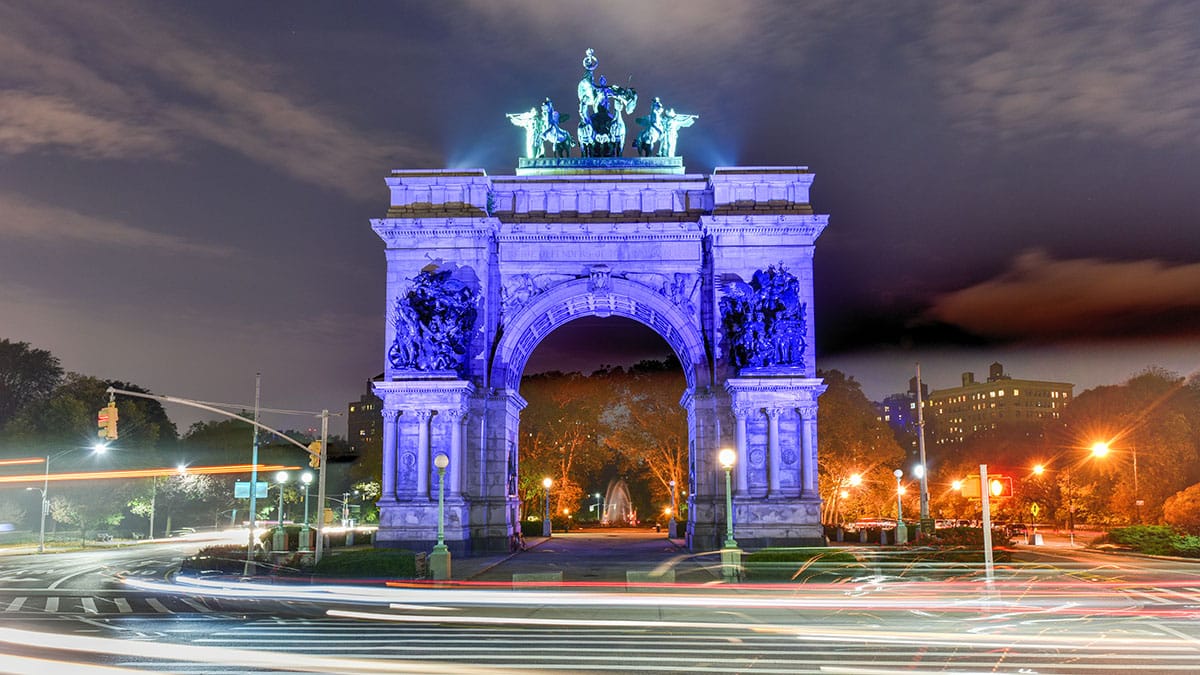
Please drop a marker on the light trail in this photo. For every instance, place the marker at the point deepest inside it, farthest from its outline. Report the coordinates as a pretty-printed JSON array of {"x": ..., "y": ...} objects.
[
  {"x": 142, "y": 473},
  {"x": 27, "y": 460}
]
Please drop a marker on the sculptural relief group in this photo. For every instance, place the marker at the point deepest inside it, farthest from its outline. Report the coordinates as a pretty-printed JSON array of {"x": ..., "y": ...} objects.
[{"x": 601, "y": 126}]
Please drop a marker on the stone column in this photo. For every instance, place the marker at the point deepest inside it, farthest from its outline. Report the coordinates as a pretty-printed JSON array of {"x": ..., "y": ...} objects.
[
  {"x": 774, "y": 457},
  {"x": 454, "y": 482},
  {"x": 423, "y": 452},
  {"x": 808, "y": 432},
  {"x": 388, "y": 482},
  {"x": 743, "y": 454}
]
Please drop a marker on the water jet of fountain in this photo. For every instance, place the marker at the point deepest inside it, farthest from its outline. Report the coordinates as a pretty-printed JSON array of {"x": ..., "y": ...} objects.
[{"x": 617, "y": 508}]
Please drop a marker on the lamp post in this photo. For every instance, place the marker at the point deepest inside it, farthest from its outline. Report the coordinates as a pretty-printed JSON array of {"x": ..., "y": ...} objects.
[
  {"x": 731, "y": 556},
  {"x": 901, "y": 530},
  {"x": 98, "y": 449},
  {"x": 305, "y": 478},
  {"x": 599, "y": 509},
  {"x": 280, "y": 540},
  {"x": 671, "y": 526},
  {"x": 439, "y": 560},
  {"x": 546, "y": 483}
]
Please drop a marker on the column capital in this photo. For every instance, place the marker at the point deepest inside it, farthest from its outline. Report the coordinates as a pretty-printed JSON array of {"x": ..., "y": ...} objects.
[
  {"x": 455, "y": 414},
  {"x": 422, "y": 415},
  {"x": 743, "y": 411},
  {"x": 774, "y": 413}
]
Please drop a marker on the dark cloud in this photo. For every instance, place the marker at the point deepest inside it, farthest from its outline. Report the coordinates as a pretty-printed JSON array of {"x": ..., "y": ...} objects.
[{"x": 1041, "y": 298}]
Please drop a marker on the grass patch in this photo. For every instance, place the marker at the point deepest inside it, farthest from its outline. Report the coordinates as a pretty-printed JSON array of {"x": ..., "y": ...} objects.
[
  {"x": 798, "y": 564},
  {"x": 369, "y": 564}
]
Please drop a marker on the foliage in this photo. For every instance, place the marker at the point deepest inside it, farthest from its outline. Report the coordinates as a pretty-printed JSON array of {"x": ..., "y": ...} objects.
[
  {"x": 90, "y": 506},
  {"x": 1150, "y": 539},
  {"x": 647, "y": 426},
  {"x": 27, "y": 376},
  {"x": 11, "y": 511},
  {"x": 369, "y": 564},
  {"x": 223, "y": 558},
  {"x": 966, "y": 537},
  {"x": 68, "y": 418},
  {"x": 853, "y": 440},
  {"x": 1182, "y": 510},
  {"x": 561, "y": 439}
]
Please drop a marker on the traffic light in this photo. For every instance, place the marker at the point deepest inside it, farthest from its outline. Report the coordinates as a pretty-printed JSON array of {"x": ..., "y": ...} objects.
[
  {"x": 1000, "y": 486},
  {"x": 314, "y": 454},
  {"x": 106, "y": 421}
]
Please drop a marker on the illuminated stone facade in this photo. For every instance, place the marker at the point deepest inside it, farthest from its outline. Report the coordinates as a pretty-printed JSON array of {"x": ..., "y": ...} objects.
[{"x": 566, "y": 238}]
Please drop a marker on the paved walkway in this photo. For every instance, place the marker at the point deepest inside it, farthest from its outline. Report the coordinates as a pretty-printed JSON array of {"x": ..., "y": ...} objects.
[{"x": 603, "y": 555}]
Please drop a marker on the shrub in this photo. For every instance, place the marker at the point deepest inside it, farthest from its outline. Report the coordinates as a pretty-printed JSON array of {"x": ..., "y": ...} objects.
[
  {"x": 1150, "y": 539},
  {"x": 225, "y": 558},
  {"x": 966, "y": 537},
  {"x": 1186, "y": 545},
  {"x": 369, "y": 563}
]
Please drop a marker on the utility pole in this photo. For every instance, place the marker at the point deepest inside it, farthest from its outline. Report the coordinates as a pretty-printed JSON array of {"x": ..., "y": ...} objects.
[{"x": 925, "y": 525}]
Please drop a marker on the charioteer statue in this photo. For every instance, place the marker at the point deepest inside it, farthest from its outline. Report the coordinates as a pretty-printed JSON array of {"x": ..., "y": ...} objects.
[{"x": 601, "y": 131}]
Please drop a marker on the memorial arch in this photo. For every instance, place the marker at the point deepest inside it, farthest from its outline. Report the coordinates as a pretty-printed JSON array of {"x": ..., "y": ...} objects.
[{"x": 480, "y": 269}]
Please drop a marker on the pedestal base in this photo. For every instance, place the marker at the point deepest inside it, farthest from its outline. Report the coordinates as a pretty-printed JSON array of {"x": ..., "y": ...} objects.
[{"x": 439, "y": 563}]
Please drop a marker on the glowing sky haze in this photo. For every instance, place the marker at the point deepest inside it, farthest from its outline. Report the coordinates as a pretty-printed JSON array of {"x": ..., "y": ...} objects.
[{"x": 185, "y": 187}]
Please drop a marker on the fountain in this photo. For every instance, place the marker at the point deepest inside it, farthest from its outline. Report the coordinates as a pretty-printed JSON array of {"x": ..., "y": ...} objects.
[{"x": 617, "y": 508}]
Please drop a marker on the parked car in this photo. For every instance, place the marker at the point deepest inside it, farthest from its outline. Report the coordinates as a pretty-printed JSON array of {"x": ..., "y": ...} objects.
[
  {"x": 182, "y": 532},
  {"x": 103, "y": 536}
]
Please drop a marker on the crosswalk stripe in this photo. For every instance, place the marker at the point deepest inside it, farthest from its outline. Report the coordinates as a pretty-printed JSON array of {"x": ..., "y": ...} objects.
[
  {"x": 158, "y": 606},
  {"x": 195, "y": 605},
  {"x": 89, "y": 605},
  {"x": 122, "y": 605},
  {"x": 15, "y": 605},
  {"x": 52, "y": 604}
]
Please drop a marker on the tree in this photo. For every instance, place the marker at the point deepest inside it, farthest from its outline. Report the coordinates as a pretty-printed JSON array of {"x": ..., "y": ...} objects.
[
  {"x": 1182, "y": 510},
  {"x": 1150, "y": 417},
  {"x": 91, "y": 505},
  {"x": 27, "y": 376},
  {"x": 647, "y": 425},
  {"x": 68, "y": 416},
  {"x": 852, "y": 440},
  {"x": 560, "y": 434}
]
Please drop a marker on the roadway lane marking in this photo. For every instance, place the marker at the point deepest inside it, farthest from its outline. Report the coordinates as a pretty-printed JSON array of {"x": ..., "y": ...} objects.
[
  {"x": 89, "y": 605},
  {"x": 122, "y": 605},
  {"x": 52, "y": 604},
  {"x": 15, "y": 605},
  {"x": 158, "y": 606}
]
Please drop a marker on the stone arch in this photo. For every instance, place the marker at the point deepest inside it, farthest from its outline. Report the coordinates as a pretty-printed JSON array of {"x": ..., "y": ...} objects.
[{"x": 576, "y": 299}]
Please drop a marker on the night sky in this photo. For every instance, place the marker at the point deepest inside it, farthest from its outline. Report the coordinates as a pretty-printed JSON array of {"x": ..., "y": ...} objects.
[{"x": 185, "y": 188}]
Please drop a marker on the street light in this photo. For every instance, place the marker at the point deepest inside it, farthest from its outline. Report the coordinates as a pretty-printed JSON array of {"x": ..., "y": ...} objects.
[
  {"x": 97, "y": 449},
  {"x": 439, "y": 560},
  {"x": 672, "y": 528},
  {"x": 305, "y": 478},
  {"x": 280, "y": 539},
  {"x": 546, "y": 483},
  {"x": 731, "y": 556},
  {"x": 901, "y": 530}
]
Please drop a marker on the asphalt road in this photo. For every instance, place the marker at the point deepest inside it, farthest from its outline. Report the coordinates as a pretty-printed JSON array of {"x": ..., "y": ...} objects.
[{"x": 1055, "y": 611}]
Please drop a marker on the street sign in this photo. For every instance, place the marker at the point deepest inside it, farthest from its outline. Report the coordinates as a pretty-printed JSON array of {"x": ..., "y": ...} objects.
[
  {"x": 241, "y": 490},
  {"x": 1034, "y": 509}
]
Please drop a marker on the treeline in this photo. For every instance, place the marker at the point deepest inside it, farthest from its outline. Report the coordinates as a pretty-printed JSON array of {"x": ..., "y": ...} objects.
[{"x": 47, "y": 412}]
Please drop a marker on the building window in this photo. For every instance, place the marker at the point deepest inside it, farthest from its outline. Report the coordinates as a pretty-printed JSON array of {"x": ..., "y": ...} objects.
[{"x": 1016, "y": 392}]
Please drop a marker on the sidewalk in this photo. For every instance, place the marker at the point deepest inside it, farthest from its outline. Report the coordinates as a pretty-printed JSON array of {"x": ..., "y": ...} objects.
[{"x": 600, "y": 555}]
